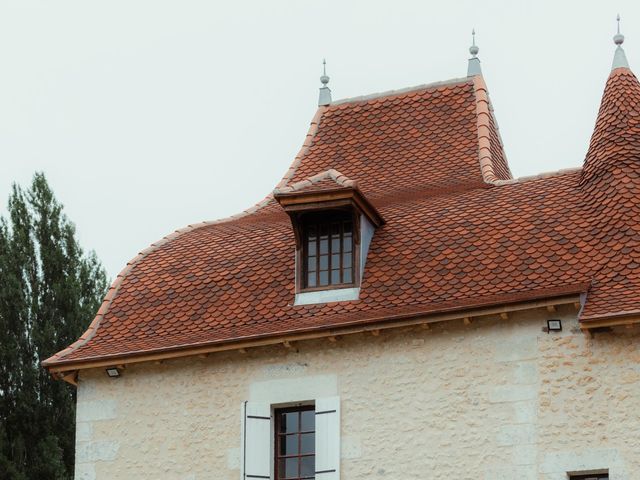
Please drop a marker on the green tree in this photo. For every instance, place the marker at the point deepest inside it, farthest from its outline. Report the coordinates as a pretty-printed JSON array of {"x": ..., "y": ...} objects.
[{"x": 49, "y": 293}]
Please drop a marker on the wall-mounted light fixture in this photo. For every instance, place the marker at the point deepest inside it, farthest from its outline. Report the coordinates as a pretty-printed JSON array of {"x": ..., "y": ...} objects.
[
  {"x": 554, "y": 325},
  {"x": 113, "y": 372}
]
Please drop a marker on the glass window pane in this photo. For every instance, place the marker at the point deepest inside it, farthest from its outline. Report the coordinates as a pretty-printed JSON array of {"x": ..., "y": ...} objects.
[
  {"x": 288, "y": 467},
  {"x": 324, "y": 262},
  {"x": 289, "y": 422},
  {"x": 335, "y": 244},
  {"x": 346, "y": 260},
  {"x": 311, "y": 264},
  {"x": 324, "y": 278},
  {"x": 346, "y": 275},
  {"x": 308, "y": 443},
  {"x": 347, "y": 244},
  {"x": 335, "y": 276},
  {"x": 289, "y": 444},
  {"x": 324, "y": 230},
  {"x": 335, "y": 229},
  {"x": 324, "y": 245},
  {"x": 311, "y": 248},
  {"x": 308, "y": 421},
  {"x": 335, "y": 260},
  {"x": 308, "y": 466},
  {"x": 311, "y": 279}
]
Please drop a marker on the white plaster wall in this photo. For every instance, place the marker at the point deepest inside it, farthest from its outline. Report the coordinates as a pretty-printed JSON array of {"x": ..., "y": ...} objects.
[{"x": 496, "y": 400}]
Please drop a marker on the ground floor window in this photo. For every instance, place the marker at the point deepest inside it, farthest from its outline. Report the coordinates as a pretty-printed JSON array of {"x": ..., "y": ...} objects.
[{"x": 295, "y": 443}]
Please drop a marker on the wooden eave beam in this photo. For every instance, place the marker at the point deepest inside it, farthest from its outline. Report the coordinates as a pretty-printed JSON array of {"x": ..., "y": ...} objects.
[
  {"x": 327, "y": 199},
  {"x": 610, "y": 322},
  {"x": 328, "y": 332}
]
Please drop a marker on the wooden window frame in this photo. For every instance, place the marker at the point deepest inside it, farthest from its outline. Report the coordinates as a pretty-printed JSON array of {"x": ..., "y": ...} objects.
[
  {"x": 276, "y": 451},
  {"x": 301, "y": 251}
]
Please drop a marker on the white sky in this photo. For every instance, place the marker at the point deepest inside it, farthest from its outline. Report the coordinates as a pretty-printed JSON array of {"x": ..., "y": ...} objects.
[{"x": 148, "y": 115}]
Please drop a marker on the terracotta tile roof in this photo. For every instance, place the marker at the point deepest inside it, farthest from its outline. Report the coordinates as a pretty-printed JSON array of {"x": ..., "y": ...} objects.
[
  {"x": 459, "y": 233},
  {"x": 611, "y": 182}
]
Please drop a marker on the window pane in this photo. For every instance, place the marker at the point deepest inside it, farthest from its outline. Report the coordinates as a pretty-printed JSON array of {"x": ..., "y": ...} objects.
[
  {"x": 346, "y": 274},
  {"x": 324, "y": 262},
  {"x": 289, "y": 422},
  {"x": 335, "y": 276},
  {"x": 288, "y": 467},
  {"x": 335, "y": 244},
  {"x": 324, "y": 245},
  {"x": 311, "y": 248},
  {"x": 346, "y": 260},
  {"x": 308, "y": 443},
  {"x": 289, "y": 444},
  {"x": 347, "y": 244},
  {"x": 324, "y": 278},
  {"x": 311, "y": 264},
  {"x": 335, "y": 229},
  {"x": 311, "y": 279},
  {"x": 308, "y": 421},
  {"x": 308, "y": 466}
]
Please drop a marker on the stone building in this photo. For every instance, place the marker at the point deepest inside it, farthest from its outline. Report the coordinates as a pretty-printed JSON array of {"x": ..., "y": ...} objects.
[{"x": 399, "y": 307}]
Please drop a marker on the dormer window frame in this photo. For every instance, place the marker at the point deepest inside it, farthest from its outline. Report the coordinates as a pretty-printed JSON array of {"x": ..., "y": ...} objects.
[
  {"x": 301, "y": 205},
  {"x": 327, "y": 217}
]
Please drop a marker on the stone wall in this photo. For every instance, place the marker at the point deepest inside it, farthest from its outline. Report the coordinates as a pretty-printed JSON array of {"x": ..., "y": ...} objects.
[{"x": 496, "y": 400}]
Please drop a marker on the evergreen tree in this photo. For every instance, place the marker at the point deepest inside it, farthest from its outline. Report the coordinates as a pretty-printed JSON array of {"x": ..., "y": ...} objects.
[{"x": 49, "y": 293}]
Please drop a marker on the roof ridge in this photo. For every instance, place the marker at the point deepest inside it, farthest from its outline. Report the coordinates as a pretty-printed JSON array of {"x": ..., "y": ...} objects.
[
  {"x": 400, "y": 91},
  {"x": 484, "y": 114},
  {"x": 331, "y": 173},
  {"x": 538, "y": 176}
]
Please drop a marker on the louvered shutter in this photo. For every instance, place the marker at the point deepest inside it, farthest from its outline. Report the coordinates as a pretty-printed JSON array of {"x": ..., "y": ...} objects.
[
  {"x": 328, "y": 438},
  {"x": 256, "y": 441}
]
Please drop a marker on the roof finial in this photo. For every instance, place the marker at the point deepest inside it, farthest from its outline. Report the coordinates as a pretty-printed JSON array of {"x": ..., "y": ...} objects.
[
  {"x": 474, "y": 62},
  {"x": 619, "y": 58},
  {"x": 473, "y": 49},
  {"x": 618, "y": 38},
  {"x": 325, "y": 92}
]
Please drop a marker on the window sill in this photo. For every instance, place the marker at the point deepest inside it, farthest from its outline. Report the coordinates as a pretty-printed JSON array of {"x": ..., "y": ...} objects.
[{"x": 326, "y": 296}]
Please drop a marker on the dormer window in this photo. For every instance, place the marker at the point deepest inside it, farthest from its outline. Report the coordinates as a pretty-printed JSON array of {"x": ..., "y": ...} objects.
[
  {"x": 333, "y": 224},
  {"x": 328, "y": 250}
]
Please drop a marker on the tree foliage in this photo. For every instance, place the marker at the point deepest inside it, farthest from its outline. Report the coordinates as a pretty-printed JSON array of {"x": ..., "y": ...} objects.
[{"x": 49, "y": 292}]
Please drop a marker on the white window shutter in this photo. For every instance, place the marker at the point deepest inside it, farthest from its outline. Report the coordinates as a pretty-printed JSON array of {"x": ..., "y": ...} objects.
[
  {"x": 328, "y": 438},
  {"x": 255, "y": 461}
]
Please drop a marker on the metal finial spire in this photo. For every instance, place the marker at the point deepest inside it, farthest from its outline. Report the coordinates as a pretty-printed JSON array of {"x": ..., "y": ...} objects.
[
  {"x": 474, "y": 62},
  {"x": 619, "y": 58},
  {"x": 473, "y": 49},
  {"x": 325, "y": 92},
  {"x": 618, "y": 38},
  {"x": 324, "y": 78}
]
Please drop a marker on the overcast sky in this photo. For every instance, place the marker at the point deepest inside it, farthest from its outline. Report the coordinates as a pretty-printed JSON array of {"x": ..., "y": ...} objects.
[{"x": 148, "y": 115}]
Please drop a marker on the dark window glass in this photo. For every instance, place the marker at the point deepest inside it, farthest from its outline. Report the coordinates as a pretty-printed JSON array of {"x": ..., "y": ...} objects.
[
  {"x": 295, "y": 443},
  {"x": 328, "y": 250},
  {"x": 590, "y": 476}
]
